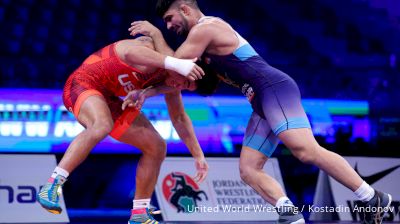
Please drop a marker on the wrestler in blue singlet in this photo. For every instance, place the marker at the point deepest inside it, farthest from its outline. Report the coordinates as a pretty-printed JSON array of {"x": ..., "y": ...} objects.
[{"x": 274, "y": 96}]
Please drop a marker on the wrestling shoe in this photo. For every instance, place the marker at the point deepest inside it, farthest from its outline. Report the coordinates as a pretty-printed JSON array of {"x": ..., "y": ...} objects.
[
  {"x": 49, "y": 195},
  {"x": 289, "y": 215},
  {"x": 142, "y": 215},
  {"x": 375, "y": 208}
]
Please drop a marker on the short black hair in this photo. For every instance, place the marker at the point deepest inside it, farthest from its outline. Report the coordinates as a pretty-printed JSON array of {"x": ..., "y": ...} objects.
[
  {"x": 209, "y": 83},
  {"x": 162, "y": 6}
]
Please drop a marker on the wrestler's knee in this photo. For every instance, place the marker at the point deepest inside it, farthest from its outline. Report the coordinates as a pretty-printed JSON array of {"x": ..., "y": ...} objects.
[
  {"x": 247, "y": 169},
  {"x": 306, "y": 153},
  {"x": 246, "y": 173},
  {"x": 156, "y": 148},
  {"x": 100, "y": 129}
]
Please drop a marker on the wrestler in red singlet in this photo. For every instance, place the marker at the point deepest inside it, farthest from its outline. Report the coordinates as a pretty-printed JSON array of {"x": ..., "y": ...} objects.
[{"x": 104, "y": 73}]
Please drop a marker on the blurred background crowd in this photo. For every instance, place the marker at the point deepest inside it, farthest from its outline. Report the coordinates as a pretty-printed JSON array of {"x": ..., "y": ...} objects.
[{"x": 334, "y": 49}]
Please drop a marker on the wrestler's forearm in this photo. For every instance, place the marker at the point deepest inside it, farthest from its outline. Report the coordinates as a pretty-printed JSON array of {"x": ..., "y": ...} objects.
[
  {"x": 161, "y": 45},
  {"x": 158, "y": 90},
  {"x": 140, "y": 55},
  {"x": 182, "y": 123},
  {"x": 185, "y": 130}
]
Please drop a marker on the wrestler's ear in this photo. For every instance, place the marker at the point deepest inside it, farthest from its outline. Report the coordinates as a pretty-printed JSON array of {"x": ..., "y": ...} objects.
[{"x": 185, "y": 9}]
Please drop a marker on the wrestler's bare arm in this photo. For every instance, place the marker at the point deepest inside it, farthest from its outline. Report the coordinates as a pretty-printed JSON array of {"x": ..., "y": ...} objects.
[
  {"x": 196, "y": 43},
  {"x": 136, "y": 55},
  {"x": 184, "y": 128},
  {"x": 137, "y": 97},
  {"x": 148, "y": 29}
]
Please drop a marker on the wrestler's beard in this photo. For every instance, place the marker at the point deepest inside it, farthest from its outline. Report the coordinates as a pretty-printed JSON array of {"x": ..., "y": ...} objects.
[{"x": 185, "y": 28}]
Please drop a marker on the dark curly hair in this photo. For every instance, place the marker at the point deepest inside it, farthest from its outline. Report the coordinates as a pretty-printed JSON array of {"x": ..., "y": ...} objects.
[
  {"x": 209, "y": 83},
  {"x": 162, "y": 6}
]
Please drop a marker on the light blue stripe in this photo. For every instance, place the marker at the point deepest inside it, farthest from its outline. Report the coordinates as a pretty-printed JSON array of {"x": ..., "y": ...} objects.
[
  {"x": 256, "y": 141},
  {"x": 245, "y": 52},
  {"x": 298, "y": 122}
]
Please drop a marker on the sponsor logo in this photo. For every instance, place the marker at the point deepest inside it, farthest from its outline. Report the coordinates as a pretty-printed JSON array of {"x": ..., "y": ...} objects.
[
  {"x": 23, "y": 194},
  {"x": 182, "y": 192},
  {"x": 247, "y": 90},
  {"x": 371, "y": 179},
  {"x": 356, "y": 207},
  {"x": 126, "y": 83}
]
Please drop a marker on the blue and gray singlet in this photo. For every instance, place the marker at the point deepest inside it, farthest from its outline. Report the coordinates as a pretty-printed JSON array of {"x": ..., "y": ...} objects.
[{"x": 274, "y": 96}]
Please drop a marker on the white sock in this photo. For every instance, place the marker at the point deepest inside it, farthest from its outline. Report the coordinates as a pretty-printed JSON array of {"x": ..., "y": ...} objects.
[
  {"x": 365, "y": 192},
  {"x": 60, "y": 171},
  {"x": 283, "y": 201},
  {"x": 141, "y": 203}
]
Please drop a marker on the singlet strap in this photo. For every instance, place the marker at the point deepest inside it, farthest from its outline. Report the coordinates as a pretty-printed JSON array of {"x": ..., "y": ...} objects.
[{"x": 242, "y": 41}]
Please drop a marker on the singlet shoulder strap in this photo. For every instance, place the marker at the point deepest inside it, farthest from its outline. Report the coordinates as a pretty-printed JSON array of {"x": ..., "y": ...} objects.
[{"x": 242, "y": 41}]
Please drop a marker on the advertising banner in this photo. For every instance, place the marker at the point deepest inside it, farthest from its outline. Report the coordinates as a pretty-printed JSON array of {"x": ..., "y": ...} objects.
[
  {"x": 21, "y": 177},
  {"x": 223, "y": 196},
  {"x": 332, "y": 199}
]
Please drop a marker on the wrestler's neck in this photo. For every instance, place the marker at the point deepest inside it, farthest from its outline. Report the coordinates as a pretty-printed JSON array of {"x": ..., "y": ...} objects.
[{"x": 197, "y": 15}]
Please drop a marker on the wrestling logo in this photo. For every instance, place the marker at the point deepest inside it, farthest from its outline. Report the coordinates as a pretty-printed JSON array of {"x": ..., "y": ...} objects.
[{"x": 182, "y": 192}]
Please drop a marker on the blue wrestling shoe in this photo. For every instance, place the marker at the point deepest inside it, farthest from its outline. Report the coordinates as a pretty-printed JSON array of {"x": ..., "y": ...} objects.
[
  {"x": 142, "y": 215},
  {"x": 289, "y": 215},
  {"x": 48, "y": 196}
]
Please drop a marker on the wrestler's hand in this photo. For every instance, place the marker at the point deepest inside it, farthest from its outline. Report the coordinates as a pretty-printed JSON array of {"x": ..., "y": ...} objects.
[
  {"x": 185, "y": 67},
  {"x": 135, "y": 98},
  {"x": 201, "y": 169},
  {"x": 196, "y": 72},
  {"x": 144, "y": 28}
]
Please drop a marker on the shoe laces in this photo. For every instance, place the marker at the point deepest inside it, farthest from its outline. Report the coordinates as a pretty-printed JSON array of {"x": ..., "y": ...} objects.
[
  {"x": 145, "y": 217},
  {"x": 376, "y": 217},
  {"x": 53, "y": 190}
]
